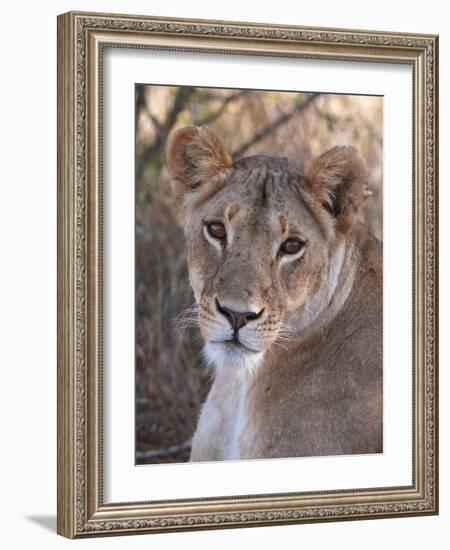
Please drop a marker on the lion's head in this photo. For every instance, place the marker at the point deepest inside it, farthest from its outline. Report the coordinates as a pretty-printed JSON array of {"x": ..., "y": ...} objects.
[{"x": 264, "y": 243}]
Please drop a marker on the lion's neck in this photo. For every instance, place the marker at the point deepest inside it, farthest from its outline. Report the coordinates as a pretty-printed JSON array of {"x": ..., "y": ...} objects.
[{"x": 332, "y": 294}]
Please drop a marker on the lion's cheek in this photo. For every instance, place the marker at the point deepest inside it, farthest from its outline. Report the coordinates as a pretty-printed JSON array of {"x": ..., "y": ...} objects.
[
  {"x": 296, "y": 301},
  {"x": 299, "y": 290},
  {"x": 196, "y": 275},
  {"x": 196, "y": 282},
  {"x": 198, "y": 266}
]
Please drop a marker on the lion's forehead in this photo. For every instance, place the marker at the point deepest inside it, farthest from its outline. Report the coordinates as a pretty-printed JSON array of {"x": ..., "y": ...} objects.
[
  {"x": 258, "y": 186},
  {"x": 261, "y": 192},
  {"x": 276, "y": 164}
]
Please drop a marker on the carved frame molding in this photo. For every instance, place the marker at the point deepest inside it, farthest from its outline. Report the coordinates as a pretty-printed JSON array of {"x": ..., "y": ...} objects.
[{"x": 81, "y": 39}]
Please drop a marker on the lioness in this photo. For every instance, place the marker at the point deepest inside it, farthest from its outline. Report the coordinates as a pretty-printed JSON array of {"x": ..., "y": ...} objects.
[{"x": 288, "y": 286}]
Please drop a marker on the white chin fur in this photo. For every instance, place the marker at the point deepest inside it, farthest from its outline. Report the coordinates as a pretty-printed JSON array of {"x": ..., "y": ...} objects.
[{"x": 221, "y": 356}]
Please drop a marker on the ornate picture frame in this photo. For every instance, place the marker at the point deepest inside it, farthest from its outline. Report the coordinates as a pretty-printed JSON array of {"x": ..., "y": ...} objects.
[{"x": 82, "y": 39}]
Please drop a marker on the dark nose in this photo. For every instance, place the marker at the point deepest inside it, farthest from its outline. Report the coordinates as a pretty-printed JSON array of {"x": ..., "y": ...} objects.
[{"x": 237, "y": 319}]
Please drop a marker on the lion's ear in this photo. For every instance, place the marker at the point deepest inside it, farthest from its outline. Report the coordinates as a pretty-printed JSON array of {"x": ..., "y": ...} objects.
[
  {"x": 194, "y": 155},
  {"x": 338, "y": 180}
]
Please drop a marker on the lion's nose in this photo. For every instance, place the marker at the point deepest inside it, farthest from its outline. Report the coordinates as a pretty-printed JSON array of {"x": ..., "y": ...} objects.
[{"x": 237, "y": 319}]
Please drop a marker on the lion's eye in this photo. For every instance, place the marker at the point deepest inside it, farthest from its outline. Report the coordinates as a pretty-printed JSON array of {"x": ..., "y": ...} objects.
[
  {"x": 217, "y": 230},
  {"x": 292, "y": 246}
]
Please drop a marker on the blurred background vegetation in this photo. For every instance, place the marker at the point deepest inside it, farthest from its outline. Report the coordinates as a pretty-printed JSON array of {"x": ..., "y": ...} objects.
[{"x": 171, "y": 381}]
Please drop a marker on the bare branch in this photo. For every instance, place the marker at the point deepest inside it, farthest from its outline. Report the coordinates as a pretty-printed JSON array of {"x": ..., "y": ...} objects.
[
  {"x": 165, "y": 451},
  {"x": 155, "y": 121},
  {"x": 226, "y": 101},
  {"x": 273, "y": 125},
  {"x": 140, "y": 103},
  {"x": 181, "y": 98}
]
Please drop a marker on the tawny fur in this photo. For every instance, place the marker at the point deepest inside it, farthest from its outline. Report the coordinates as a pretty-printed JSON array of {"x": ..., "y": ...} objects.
[{"x": 307, "y": 379}]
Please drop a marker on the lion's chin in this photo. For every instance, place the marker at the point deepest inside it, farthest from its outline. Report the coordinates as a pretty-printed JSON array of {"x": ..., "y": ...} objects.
[{"x": 232, "y": 355}]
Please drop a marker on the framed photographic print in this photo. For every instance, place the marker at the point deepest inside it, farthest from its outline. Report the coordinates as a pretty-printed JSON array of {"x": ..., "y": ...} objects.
[{"x": 247, "y": 289}]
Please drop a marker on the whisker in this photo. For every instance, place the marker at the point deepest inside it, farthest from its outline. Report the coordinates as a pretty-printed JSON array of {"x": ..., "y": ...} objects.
[
  {"x": 186, "y": 323},
  {"x": 270, "y": 350},
  {"x": 287, "y": 327},
  {"x": 187, "y": 318},
  {"x": 283, "y": 336},
  {"x": 278, "y": 344}
]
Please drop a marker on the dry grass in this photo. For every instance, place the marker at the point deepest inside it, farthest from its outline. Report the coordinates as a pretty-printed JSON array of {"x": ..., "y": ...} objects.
[{"x": 171, "y": 382}]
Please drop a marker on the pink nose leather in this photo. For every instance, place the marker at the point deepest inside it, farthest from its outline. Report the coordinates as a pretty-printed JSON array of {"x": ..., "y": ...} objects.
[{"x": 237, "y": 319}]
